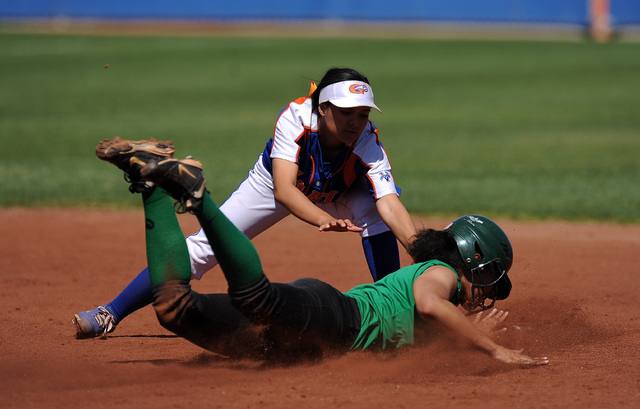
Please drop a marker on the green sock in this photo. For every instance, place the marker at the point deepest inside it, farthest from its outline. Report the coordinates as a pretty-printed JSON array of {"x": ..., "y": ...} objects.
[
  {"x": 167, "y": 252},
  {"x": 234, "y": 251}
]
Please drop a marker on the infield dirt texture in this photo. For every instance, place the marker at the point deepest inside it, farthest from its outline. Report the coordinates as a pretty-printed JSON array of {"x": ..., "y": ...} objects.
[
  {"x": 574, "y": 299},
  {"x": 575, "y": 295}
]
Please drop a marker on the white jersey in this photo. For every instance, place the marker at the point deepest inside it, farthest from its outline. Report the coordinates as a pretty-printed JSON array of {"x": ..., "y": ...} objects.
[
  {"x": 296, "y": 140},
  {"x": 252, "y": 208}
]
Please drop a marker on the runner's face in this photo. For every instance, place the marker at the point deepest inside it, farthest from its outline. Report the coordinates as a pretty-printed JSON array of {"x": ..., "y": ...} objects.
[
  {"x": 342, "y": 125},
  {"x": 481, "y": 299}
]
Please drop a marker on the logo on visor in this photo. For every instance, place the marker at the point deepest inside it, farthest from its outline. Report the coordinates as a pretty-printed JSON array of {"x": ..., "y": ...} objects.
[{"x": 358, "y": 89}]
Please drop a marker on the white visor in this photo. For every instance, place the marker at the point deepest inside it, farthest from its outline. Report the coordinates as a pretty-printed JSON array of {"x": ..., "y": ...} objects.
[{"x": 348, "y": 94}]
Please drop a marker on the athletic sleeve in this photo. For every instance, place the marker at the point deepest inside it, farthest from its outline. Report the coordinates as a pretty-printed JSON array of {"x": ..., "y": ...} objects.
[
  {"x": 290, "y": 128},
  {"x": 374, "y": 157}
]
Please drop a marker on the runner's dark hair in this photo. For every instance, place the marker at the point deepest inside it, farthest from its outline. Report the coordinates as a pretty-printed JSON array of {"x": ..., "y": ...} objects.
[{"x": 430, "y": 244}]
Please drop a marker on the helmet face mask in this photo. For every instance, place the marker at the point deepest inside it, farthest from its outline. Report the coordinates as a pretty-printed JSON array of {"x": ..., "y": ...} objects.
[
  {"x": 487, "y": 252},
  {"x": 491, "y": 282}
]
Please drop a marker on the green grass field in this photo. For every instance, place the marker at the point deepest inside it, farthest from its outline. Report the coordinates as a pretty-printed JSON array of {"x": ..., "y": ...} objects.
[{"x": 525, "y": 130}]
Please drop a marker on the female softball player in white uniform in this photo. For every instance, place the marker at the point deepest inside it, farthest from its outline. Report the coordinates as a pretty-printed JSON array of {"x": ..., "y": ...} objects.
[{"x": 326, "y": 166}]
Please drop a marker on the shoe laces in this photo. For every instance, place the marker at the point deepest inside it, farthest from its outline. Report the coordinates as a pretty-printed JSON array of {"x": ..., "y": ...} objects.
[
  {"x": 105, "y": 320},
  {"x": 188, "y": 205},
  {"x": 180, "y": 206},
  {"x": 137, "y": 185}
]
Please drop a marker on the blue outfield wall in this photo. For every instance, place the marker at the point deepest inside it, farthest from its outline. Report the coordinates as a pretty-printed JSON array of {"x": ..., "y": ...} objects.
[{"x": 573, "y": 12}]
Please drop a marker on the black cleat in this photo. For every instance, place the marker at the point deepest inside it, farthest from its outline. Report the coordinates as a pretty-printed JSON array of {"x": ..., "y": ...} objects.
[{"x": 181, "y": 179}]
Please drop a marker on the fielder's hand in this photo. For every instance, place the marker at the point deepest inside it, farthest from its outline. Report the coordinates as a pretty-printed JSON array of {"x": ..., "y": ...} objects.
[{"x": 339, "y": 225}]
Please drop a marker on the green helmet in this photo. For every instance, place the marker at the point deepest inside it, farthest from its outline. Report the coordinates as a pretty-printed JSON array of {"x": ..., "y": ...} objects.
[{"x": 486, "y": 250}]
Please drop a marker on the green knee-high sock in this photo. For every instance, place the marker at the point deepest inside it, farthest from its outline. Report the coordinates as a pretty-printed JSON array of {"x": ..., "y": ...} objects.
[
  {"x": 167, "y": 252},
  {"x": 235, "y": 253}
]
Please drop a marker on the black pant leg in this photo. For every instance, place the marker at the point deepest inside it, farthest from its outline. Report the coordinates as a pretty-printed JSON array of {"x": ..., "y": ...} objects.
[
  {"x": 207, "y": 320},
  {"x": 303, "y": 320}
]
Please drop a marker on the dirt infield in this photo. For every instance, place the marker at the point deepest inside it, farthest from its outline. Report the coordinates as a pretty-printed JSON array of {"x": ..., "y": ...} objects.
[{"x": 574, "y": 300}]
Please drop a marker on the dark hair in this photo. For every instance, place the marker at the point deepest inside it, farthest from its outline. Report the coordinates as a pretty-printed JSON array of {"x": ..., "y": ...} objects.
[
  {"x": 430, "y": 244},
  {"x": 332, "y": 76}
]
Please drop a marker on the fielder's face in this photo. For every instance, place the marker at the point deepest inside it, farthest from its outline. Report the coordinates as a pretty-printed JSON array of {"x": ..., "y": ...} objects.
[{"x": 342, "y": 125}]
